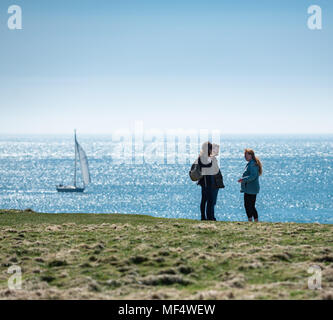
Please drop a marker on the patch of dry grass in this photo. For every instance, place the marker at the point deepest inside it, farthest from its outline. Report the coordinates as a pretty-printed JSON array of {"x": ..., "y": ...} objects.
[{"x": 139, "y": 257}]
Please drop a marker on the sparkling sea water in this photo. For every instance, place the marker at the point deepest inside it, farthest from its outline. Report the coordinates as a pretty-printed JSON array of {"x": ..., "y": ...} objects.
[{"x": 296, "y": 185}]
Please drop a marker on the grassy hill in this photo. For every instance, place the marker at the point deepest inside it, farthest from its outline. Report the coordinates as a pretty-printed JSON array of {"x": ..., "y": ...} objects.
[{"x": 113, "y": 256}]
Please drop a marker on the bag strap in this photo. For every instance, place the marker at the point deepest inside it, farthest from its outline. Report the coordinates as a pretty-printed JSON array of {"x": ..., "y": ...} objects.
[{"x": 201, "y": 165}]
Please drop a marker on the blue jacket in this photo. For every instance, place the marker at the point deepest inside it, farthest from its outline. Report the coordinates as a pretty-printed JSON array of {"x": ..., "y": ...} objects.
[{"x": 250, "y": 183}]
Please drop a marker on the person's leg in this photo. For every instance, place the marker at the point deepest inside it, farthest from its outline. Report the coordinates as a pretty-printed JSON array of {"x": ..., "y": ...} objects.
[
  {"x": 254, "y": 210},
  {"x": 203, "y": 203},
  {"x": 210, "y": 203},
  {"x": 247, "y": 205},
  {"x": 216, "y": 191},
  {"x": 252, "y": 206}
]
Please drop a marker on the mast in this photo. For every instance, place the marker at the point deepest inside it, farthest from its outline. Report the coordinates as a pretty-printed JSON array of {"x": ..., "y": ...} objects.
[{"x": 75, "y": 158}]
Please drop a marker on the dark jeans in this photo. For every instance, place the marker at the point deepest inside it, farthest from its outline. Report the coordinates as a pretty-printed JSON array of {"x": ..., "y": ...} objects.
[
  {"x": 250, "y": 205},
  {"x": 208, "y": 201}
]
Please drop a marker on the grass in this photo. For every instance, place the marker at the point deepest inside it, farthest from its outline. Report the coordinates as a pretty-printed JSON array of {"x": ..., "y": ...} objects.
[{"x": 118, "y": 256}]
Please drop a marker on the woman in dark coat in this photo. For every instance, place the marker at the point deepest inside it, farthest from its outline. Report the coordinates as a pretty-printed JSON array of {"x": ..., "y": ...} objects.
[{"x": 209, "y": 188}]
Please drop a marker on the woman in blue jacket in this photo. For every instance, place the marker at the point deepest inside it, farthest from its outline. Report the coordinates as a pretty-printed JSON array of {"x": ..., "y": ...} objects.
[{"x": 250, "y": 183}]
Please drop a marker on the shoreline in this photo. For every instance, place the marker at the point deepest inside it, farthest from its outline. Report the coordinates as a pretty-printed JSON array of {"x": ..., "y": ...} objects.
[
  {"x": 123, "y": 256},
  {"x": 2, "y": 211}
]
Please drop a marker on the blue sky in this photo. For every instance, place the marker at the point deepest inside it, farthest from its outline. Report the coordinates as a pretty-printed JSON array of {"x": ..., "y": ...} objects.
[{"x": 238, "y": 66}]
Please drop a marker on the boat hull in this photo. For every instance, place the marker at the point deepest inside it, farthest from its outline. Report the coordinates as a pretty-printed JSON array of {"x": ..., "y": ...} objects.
[{"x": 69, "y": 189}]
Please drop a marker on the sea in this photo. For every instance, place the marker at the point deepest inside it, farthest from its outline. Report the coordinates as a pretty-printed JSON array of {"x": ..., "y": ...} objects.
[{"x": 296, "y": 185}]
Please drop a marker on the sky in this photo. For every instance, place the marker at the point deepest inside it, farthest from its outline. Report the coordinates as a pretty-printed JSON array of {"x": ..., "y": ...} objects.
[{"x": 237, "y": 66}]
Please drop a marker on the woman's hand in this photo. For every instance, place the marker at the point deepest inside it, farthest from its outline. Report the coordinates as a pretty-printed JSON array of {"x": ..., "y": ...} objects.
[{"x": 240, "y": 180}]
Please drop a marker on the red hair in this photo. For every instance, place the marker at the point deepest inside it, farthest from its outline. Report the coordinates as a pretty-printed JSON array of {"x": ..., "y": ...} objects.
[{"x": 257, "y": 160}]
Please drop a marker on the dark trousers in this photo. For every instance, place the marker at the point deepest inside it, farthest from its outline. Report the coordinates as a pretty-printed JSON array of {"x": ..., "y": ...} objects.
[
  {"x": 250, "y": 205},
  {"x": 208, "y": 201}
]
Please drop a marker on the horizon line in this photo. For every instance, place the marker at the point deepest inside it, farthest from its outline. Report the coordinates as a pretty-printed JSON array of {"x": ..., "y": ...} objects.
[{"x": 165, "y": 131}]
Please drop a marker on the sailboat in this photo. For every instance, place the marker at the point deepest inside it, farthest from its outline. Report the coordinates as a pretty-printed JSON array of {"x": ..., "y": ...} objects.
[{"x": 79, "y": 153}]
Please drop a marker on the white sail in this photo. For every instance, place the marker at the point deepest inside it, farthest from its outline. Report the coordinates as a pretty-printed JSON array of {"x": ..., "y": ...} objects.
[{"x": 84, "y": 163}]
